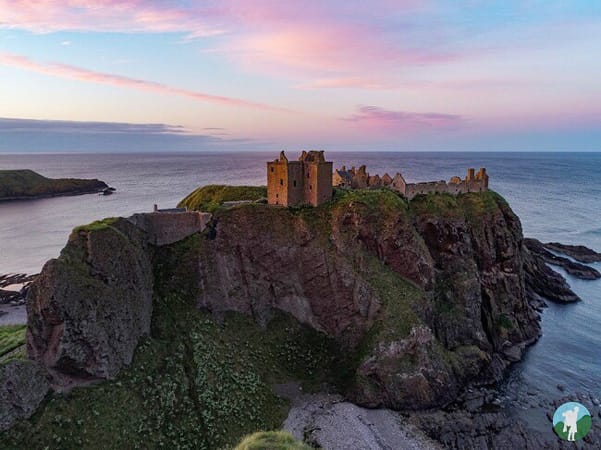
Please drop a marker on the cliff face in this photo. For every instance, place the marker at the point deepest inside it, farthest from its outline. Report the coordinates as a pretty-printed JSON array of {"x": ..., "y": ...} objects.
[
  {"x": 424, "y": 296},
  {"x": 421, "y": 297},
  {"x": 88, "y": 309}
]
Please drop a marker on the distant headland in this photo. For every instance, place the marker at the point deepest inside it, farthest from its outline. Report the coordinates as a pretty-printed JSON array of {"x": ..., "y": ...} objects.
[{"x": 27, "y": 185}]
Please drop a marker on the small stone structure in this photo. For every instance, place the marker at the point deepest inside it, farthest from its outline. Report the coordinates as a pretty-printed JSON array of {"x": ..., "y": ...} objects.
[
  {"x": 166, "y": 226},
  {"x": 360, "y": 179},
  {"x": 307, "y": 181}
]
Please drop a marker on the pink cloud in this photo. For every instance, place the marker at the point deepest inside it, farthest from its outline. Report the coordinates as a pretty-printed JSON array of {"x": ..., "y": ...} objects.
[
  {"x": 348, "y": 83},
  {"x": 80, "y": 74},
  {"x": 45, "y": 16},
  {"x": 379, "y": 120},
  {"x": 319, "y": 39}
]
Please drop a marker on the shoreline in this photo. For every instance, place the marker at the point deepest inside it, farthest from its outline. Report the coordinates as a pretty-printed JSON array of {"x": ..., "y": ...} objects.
[{"x": 43, "y": 196}]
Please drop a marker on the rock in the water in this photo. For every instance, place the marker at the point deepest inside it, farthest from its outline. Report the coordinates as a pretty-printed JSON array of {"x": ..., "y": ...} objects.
[
  {"x": 577, "y": 270},
  {"x": 578, "y": 252},
  {"x": 542, "y": 281},
  {"x": 23, "y": 386},
  {"x": 89, "y": 308}
]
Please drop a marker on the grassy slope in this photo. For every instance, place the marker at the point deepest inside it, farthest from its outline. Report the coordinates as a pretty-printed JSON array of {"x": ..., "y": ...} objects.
[
  {"x": 209, "y": 198},
  {"x": 27, "y": 183},
  {"x": 12, "y": 341}
]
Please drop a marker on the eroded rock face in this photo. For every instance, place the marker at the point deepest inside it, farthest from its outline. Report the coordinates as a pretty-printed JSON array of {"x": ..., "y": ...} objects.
[
  {"x": 473, "y": 317},
  {"x": 423, "y": 298},
  {"x": 88, "y": 309},
  {"x": 23, "y": 386}
]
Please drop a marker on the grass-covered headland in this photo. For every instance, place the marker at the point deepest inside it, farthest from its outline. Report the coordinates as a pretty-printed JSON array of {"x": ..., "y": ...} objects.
[{"x": 27, "y": 184}]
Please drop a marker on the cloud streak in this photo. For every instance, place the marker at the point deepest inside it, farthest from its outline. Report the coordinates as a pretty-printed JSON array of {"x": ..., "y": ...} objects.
[
  {"x": 81, "y": 74},
  {"x": 9, "y": 125},
  {"x": 380, "y": 119}
]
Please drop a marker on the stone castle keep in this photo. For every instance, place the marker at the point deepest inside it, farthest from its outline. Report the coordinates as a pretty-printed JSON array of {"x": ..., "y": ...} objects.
[{"x": 309, "y": 181}]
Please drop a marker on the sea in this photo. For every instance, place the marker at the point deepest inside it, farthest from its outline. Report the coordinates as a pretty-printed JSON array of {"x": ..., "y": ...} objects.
[{"x": 556, "y": 195}]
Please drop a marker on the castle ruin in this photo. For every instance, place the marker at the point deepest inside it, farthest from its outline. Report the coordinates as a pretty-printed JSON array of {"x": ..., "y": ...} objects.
[
  {"x": 307, "y": 181},
  {"x": 360, "y": 179}
]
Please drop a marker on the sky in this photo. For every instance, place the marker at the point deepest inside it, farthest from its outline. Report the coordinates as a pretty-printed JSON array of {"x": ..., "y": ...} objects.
[{"x": 406, "y": 75}]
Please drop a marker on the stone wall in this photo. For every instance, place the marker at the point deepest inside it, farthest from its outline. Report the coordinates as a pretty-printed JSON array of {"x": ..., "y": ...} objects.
[
  {"x": 168, "y": 227},
  {"x": 360, "y": 179}
]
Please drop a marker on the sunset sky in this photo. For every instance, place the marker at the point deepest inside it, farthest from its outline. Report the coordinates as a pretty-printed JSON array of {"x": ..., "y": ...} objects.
[{"x": 110, "y": 75}]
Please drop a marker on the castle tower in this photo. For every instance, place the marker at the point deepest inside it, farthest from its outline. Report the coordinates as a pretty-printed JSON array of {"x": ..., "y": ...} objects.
[{"x": 306, "y": 181}]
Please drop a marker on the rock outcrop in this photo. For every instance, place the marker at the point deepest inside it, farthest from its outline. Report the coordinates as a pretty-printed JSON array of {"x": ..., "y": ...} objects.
[
  {"x": 423, "y": 296},
  {"x": 88, "y": 309},
  {"x": 427, "y": 296},
  {"x": 575, "y": 269},
  {"x": 23, "y": 386}
]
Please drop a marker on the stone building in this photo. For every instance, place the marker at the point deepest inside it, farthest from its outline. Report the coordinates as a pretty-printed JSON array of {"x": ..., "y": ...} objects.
[
  {"x": 307, "y": 181},
  {"x": 166, "y": 226},
  {"x": 359, "y": 179}
]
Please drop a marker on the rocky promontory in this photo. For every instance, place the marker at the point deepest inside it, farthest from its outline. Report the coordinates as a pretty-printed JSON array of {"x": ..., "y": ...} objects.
[
  {"x": 27, "y": 185},
  {"x": 387, "y": 302}
]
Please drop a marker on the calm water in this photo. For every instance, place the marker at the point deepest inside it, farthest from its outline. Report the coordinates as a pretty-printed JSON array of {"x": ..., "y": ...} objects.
[{"x": 557, "y": 196}]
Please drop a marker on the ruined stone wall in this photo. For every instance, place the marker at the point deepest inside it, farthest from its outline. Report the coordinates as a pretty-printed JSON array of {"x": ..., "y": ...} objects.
[
  {"x": 165, "y": 228},
  {"x": 413, "y": 189}
]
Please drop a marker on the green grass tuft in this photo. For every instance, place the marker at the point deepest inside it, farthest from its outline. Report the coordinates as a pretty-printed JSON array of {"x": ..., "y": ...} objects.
[
  {"x": 209, "y": 198},
  {"x": 12, "y": 342},
  {"x": 271, "y": 440}
]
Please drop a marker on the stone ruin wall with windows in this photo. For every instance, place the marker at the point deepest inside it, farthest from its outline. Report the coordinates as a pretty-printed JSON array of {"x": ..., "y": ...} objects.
[{"x": 360, "y": 179}]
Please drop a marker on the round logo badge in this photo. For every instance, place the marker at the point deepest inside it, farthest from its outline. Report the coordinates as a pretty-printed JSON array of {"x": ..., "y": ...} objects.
[{"x": 571, "y": 421}]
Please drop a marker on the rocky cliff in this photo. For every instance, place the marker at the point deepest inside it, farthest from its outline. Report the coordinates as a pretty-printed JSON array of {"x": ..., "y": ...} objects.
[
  {"x": 88, "y": 309},
  {"x": 425, "y": 295},
  {"x": 391, "y": 303}
]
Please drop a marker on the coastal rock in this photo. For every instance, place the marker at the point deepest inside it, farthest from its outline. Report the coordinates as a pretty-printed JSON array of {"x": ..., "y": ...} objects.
[
  {"x": 23, "y": 386},
  {"x": 327, "y": 421},
  {"x": 578, "y": 252},
  {"x": 423, "y": 296},
  {"x": 89, "y": 308},
  {"x": 543, "y": 282},
  {"x": 577, "y": 270},
  {"x": 431, "y": 296}
]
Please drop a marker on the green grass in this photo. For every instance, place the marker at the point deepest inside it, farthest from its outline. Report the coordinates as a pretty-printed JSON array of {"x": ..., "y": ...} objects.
[
  {"x": 194, "y": 384},
  {"x": 12, "y": 338},
  {"x": 97, "y": 225},
  {"x": 271, "y": 440},
  {"x": 209, "y": 198},
  {"x": 27, "y": 183}
]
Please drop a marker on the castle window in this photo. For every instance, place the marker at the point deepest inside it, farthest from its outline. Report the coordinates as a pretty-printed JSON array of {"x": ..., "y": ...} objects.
[
  {"x": 294, "y": 183},
  {"x": 272, "y": 169},
  {"x": 308, "y": 174},
  {"x": 281, "y": 182},
  {"x": 277, "y": 195},
  {"x": 310, "y": 187}
]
